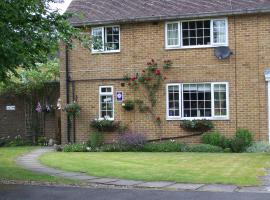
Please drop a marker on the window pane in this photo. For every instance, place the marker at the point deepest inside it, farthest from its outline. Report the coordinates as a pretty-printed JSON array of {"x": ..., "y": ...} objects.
[
  {"x": 219, "y": 31},
  {"x": 112, "y": 38},
  {"x": 174, "y": 104},
  {"x": 220, "y": 97},
  {"x": 106, "y": 103},
  {"x": 196, "y": 33},
  {"x": 195, "y": 102},
  {"x": 97, "y": 38},
  {"x": 172, "y": 34}
]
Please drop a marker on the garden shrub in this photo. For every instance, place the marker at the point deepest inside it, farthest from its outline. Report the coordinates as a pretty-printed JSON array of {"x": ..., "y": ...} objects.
[
  {"x": 132, "y": 141},
  {"x": 75, "y": 148},
  {"x": 105, "y": 125},
  {"x": 216, "y": 139},
  {"x": 96, "y": 140},
  {"x": 202, "y": 148},
  {"x": 4, "y": 141},
  {"x": 241, "y": 141},
  {"x": 259, "y": 147},
  {"x": 17, "y": 141},
  {"x": 168, "y": 146},
  {"x": 197, "y": 125},
  {"x": 113, "y": 148},
  {"x": 245, "y": 135},
  {"x": 42, "y": 141}
]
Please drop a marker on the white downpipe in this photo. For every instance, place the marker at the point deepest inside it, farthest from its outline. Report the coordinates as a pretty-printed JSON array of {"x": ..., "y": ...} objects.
[
  {"x": 268, "y": 89},
  {"x": 267, "y": 78}
]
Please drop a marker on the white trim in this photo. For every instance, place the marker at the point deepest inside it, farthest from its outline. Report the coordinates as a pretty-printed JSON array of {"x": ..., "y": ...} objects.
[
  {"x": 180, "y": 46},
  {"x": 226, "y": 31},
  {"x": 268, "y": 89},
  {"x": 267, "y": 79},
  {"x": 227, "y": 100},
  {"x": 181, "y": 105},
  {"x": 104, "y": 94},
  {"x": 104, "y": 38},
  {"x": 167, "y": 102},
  {"x": 92, "y": 34},
  {"x": 166, "y": 34}
]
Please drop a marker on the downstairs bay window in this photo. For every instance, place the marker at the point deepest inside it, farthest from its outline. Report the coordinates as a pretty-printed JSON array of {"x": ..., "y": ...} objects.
[
  {"x": 197, "y": 101},
  {"x": 106, "y": 103}
]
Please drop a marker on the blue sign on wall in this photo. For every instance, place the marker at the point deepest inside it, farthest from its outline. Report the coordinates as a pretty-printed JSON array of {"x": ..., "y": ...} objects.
[{"x": 119, "y": 96}]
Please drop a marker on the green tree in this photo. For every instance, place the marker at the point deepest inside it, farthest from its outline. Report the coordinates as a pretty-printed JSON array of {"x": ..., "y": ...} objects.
[
  {"x": 29, "y": 81},
  {"x": 30, "y": 32}
]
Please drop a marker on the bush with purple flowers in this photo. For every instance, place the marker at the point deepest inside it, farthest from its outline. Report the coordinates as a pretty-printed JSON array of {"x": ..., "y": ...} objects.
[{"x": 132, "y": 141}]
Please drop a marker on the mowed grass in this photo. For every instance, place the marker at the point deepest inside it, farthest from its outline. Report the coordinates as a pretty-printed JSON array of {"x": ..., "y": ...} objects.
[
  {"x": 10, "y": 171},
  {"x": 239, "y": 169}
]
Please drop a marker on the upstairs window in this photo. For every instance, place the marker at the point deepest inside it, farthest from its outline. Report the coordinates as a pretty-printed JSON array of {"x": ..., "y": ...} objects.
[
  {"x": 106, "y": 39},
  {"x": 200, "y": 33}
]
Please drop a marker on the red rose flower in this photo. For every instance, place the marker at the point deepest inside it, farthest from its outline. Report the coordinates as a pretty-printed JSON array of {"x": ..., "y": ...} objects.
[
  {"x": 157, "y": 72},
  {"x": 164, "y": 78},
  {"x": 133, "y": 78}
]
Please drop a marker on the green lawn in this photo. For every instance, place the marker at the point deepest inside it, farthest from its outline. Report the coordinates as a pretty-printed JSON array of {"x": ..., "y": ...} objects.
[
  {"x": 239, "y": 169},
  {"x": 10, "y": 171}
]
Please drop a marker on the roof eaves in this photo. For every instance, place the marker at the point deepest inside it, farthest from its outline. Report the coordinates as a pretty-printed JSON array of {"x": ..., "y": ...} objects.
[{"x": 161, "y": 18}]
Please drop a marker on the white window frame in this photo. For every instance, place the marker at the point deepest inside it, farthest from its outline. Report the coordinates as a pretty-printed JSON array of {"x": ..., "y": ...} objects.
[
  {"x": 105, "y": 94},
  {"x": 104, "y": 38},
  {"x": 213, "y": 116},
  {"x": 180, "y": 46},
  {"x": 167, "y": 102},
  {"x": 227, "y": 33},
  {"x": 166, "y": 34}
]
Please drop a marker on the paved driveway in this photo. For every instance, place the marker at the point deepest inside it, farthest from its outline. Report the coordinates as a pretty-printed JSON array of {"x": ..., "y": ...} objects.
[{"x": 20, "y": 192}]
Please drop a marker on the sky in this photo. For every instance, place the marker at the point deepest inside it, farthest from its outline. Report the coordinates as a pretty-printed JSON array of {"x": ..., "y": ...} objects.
[{"x": 61, "y": 6}]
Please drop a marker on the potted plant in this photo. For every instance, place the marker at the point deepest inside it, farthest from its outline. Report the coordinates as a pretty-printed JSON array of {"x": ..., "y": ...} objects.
[
  {"x": 72, "y": 109},
  {"x": 104, "y": 125},
  {"x": 128, "y": 105}
]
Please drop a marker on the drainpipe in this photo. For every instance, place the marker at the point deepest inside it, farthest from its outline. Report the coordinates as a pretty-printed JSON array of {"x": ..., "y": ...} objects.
[
  {"x": 74, "y": 117},
  {"x": 267, "y": 79},
  {"x": 67, "y": 92}
]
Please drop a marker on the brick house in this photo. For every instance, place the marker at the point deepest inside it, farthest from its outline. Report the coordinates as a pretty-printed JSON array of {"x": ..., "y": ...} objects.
[{"x": 232, "y": 92}]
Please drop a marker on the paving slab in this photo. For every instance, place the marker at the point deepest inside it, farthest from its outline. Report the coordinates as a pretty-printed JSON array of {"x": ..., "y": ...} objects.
[
  {"x": 182, "y": 186},
  {"x": 158, "y": 184},
  {"x": 218, "y": 188},
  {"x": 255, "y": 189},
  {"x": 127, "y": 183},
  {"x": 71, "y": 174},
  {"x": 103, "y": 180}
]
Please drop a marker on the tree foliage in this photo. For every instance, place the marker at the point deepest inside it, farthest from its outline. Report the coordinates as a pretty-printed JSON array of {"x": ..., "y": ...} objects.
[
  {"x": 30, "y": 32},
  {"x": 33, "y": 80}
]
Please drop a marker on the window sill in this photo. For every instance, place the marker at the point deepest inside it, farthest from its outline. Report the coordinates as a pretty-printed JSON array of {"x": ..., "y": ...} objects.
[
  {"x": 105, "y": 52},
  {"x": 199, "y": 118},
  {"x": 109, "y": 119},
  {"x": 196, "y": 47}
]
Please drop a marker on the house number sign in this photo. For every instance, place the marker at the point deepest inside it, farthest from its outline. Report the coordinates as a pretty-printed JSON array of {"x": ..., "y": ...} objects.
[
  {"x": 10, "y": 108},
  {"x": 119, "y": 96}
]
